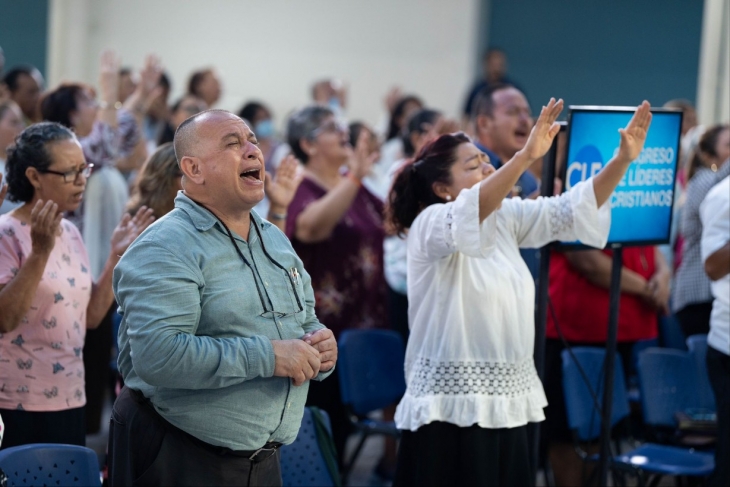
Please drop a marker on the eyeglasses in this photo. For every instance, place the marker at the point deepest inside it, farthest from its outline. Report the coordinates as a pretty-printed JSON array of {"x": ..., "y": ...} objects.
[
  {"x": 71, "y": 176},
  {"x": 332, "y": 126}
]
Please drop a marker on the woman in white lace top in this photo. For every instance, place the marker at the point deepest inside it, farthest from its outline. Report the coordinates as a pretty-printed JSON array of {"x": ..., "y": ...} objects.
[{"x": 472, "y": 384}]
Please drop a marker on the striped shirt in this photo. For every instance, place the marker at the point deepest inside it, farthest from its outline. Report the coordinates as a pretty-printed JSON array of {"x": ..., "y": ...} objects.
[{"x": 691, "y": 284}]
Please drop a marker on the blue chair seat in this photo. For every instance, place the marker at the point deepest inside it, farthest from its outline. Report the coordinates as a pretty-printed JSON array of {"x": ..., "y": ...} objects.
[
  {"x": 303, "y": 463},
  {"x": 669, "y": 460},
  {"x": 50, "y": 464}
]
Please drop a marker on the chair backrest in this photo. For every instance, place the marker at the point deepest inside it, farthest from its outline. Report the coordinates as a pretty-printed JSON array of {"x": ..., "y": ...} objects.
[
  {"x": 639, "y": 347},
  {"x": 370, "y": 366},
  {"x": 50, "y": 464},
  {"x": 670, "y": 333},
  {"x": 583, "y": 418},
  {"x": 302, "y": 462},
  {"x": 666, "y": 381},
  {"x": 697, "y": 345}
]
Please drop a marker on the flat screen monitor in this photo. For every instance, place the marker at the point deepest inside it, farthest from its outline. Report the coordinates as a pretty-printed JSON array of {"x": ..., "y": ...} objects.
[{"x": 642, "y": 204}]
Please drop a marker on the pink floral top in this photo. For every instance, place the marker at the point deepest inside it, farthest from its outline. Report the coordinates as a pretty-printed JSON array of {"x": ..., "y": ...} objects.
[{"x": 41, "y": 364}]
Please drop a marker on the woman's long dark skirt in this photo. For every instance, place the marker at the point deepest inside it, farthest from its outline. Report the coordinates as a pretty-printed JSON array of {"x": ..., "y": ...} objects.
[{"x": 445, "y": 454}]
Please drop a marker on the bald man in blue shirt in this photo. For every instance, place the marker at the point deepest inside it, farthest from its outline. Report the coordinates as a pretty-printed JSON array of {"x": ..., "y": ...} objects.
[{"x": 219, "y": 339}]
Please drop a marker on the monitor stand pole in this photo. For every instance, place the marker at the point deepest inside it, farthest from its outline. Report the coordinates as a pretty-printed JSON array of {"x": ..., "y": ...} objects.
[{"x": 610, "y": 363}]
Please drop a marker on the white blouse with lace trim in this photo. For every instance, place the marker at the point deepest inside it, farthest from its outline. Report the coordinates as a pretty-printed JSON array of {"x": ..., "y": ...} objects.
[{"x": 471, "y": 306}]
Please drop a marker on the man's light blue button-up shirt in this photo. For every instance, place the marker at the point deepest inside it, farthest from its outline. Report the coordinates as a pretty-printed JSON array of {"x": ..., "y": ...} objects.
[{"x": 196, "y": 332}]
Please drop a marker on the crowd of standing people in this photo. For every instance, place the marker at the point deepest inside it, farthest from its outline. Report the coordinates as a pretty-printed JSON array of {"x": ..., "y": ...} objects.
[{"x": 426, "y": 226}]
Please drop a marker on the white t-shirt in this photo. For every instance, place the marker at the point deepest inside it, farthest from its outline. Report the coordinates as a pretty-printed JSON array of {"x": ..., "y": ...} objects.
[
  {"x": 380, "y": 178},
  {"x": 469, "y": 358},
  {"x": 715, "y": 216},
  {"x": 395, "y": 248}
]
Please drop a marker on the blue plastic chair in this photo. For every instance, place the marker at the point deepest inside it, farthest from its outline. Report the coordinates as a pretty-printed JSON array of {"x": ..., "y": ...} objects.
[
  {"x": 666, "y": 379},
  {"x": 371, "y": 377},
  {"x": 50, "y": 464},
  {"x": 633, "y": 386},
  {"x": 583, "y": 418},
  {"x": 648, "y": 459},
  {"x": 302, "y": 462},
  {"x": 697, "y": 346}
]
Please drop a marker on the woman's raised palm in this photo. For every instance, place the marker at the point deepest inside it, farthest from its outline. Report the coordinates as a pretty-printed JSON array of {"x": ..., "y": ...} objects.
[{"x": 544, "y": 131}]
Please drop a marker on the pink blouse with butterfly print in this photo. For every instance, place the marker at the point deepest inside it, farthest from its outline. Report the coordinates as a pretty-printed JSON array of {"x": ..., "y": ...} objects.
[{"x": 41, "y": 364}]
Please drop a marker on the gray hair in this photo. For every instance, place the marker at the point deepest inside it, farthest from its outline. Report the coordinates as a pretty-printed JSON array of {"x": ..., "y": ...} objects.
[{"x": 302, "y": 124}]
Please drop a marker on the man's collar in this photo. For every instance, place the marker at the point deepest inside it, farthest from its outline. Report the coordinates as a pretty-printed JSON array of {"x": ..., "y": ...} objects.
[{"x": 203, "y": 219}]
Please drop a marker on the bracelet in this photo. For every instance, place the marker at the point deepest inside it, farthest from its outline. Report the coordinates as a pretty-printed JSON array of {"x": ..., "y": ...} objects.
[
  {"x": 354, "y": 179},
  {"x": 105, "y": 104},
  {"x": 277, "y": 216}
]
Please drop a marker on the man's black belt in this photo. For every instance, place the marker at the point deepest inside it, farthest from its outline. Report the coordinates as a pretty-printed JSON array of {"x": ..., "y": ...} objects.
[{"x": 258, "y": 455}]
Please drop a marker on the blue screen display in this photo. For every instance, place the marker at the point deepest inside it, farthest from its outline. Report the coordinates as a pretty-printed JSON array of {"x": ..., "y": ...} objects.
[{"x": 641, "y": 206}]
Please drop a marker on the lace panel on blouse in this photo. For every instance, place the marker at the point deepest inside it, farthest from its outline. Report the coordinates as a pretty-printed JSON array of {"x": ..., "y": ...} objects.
[
  {"x": 458, "y": 378},
  {"x": 561, "y": 216},
  {"x": 449, "y": 224}
]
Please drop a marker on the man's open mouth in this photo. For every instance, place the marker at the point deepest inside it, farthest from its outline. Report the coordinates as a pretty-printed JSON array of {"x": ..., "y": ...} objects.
[{"x": 254, "y": 174}]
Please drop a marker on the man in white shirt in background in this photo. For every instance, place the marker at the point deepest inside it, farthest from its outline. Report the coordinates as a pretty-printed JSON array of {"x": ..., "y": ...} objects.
[{"x": 715, "y": 247}]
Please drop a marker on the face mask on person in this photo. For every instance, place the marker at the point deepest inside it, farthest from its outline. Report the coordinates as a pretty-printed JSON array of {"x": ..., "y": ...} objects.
[
  {"x": 264, "y": 129},
  {"x": 334, "y": 104}
]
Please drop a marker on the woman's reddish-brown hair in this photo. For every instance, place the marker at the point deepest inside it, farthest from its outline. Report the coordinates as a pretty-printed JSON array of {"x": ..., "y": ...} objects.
[{"x": 412, "y": 190}]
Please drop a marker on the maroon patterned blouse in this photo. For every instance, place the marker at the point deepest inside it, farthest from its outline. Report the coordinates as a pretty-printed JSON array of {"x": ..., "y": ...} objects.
[{"x": 346, "y": 269}]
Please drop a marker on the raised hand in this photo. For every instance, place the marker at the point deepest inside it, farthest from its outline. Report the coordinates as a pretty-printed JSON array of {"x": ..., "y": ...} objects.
[
  {"x": 340, "y": 91},
  {"x": 282, "y": 186},
  {"x": 363, "y": 157},
  {"x": 129, "y": 229},
  {"x": 149, "y": 76},
  {"x": 295, "y": 359},
  {"x": 45, "y": 225},
  {"x": 544, "y": 131},
  {"x": 109, "y": 78},
  {"x": 148, "y": 89},
  {"x": 392, "y": 98},
  {"x": 323, "y": 340},
  {"x": 633, "y": 135}
]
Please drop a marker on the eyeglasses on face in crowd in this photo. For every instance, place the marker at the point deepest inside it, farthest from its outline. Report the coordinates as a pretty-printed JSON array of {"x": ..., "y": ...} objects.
[
  {"x": 71, "y": 176},
  {"x": 331, "y": 126}
]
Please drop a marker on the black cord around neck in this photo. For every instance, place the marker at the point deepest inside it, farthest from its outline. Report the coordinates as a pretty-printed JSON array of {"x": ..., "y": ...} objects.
[{"x": 250, "y": 266}]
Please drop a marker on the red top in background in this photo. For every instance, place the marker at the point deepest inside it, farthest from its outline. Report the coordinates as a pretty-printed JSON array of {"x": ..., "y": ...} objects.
[{"x": 581, "y": 308}]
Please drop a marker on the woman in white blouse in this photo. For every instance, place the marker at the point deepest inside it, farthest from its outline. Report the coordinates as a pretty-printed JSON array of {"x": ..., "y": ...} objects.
[{"x": 472, "y": 384}]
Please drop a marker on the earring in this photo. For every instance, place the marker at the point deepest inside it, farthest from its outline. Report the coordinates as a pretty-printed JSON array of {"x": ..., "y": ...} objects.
[{"x": 448, "y": 197}]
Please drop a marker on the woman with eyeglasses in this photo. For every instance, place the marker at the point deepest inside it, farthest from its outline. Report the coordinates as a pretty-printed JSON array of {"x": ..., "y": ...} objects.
[
  {"x": 336, "y": 227},
  {"x": 107, "y": 133},
  {"x": 110, "y": 137},
  {"x": 47, "y": 294}
]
